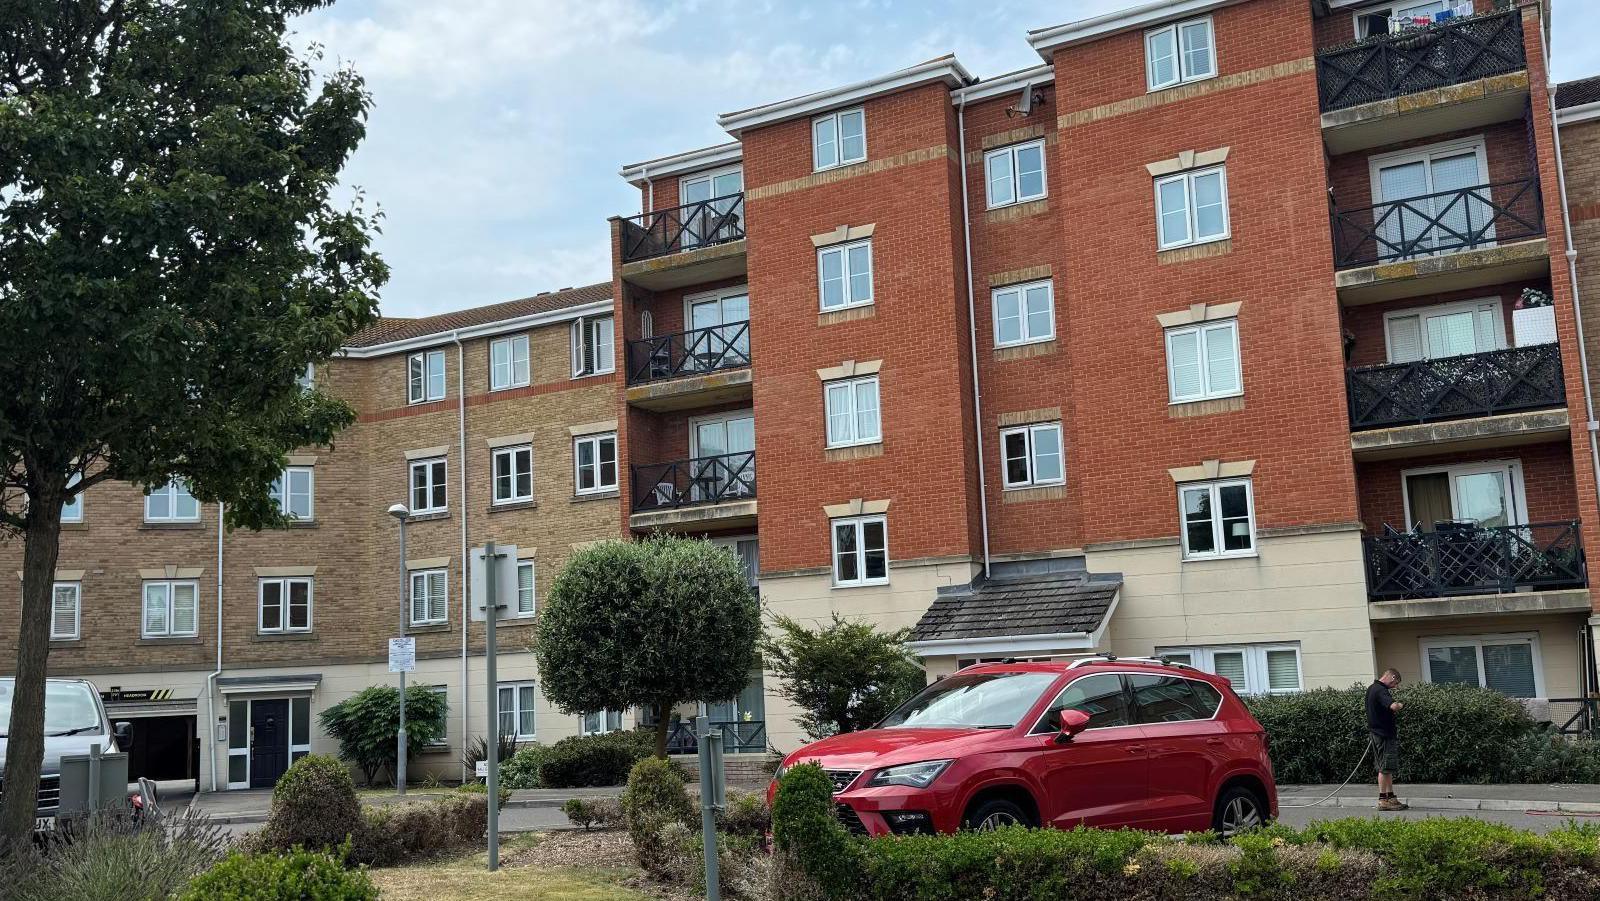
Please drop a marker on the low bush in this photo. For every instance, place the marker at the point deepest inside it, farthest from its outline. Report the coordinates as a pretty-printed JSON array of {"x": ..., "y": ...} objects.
[
  {"x": 299, "y": 875},
  {"x": 1381, "y": 860},
  {"x": 314, "y": 806},
  {"x": 594, "y": 760},
  {"x": 1546, "y": 756},
  {"x": 746, "y": 814},
  {"x": 402, "y": 833},
  {"x": 476, "y": 749},
  {"x": 591, "y": 812},
  {"x": 365, "y": 725},
  {"x": 655, "y": 800},
  {"x": 109, "y": 855},
  {"x": 522, "y": 769},
  {"x": 482, "y": 789}
]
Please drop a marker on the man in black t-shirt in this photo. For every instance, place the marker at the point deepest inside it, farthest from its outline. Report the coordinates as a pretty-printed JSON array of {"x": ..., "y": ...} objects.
[{"x": 1383, "y": 737}]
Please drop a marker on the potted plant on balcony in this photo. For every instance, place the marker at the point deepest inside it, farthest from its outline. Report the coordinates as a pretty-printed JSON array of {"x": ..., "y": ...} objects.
[{"x": 1533, "y": 318}]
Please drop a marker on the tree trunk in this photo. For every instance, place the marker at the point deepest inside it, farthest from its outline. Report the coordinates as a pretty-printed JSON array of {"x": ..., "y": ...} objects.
[
  {"x": 25, "y": 736},
  {"x": 661, "y": 730}
]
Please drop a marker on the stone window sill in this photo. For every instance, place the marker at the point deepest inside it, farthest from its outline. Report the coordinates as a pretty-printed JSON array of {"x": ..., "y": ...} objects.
[
  {"x": 284, "y": 636},
  {"x": 425, "y": 517},
  {"x": 597, "y": 496},
  {"x": 529, "y": 504},
  {"x": 171, "y": 526},
  {"x": 423, "y": 630},
  {"x": 174, "y": 640}
]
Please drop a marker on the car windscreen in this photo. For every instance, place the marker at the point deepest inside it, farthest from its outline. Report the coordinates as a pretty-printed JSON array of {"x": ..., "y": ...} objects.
[
  {"x": 69, "y": 707},
  {"x": 971, "y": 701}
]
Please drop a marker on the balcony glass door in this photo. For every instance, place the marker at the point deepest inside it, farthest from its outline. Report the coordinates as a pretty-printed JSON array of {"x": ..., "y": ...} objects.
[
  {"x": 716, "y": 474},
  {"x": 1420, "y": 204},
  {"x": 1447, "y": 330},
  {"x": 1487, "y": 495},
  {"x": 725, "y": 340},
  {"x": 701, "y": 223}
]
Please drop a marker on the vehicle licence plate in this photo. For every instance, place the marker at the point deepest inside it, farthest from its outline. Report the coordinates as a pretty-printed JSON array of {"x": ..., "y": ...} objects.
[{"x": 44, "y": 824}]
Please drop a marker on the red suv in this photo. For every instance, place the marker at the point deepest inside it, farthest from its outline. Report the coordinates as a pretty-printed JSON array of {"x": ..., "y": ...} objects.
[{"x": 1103, "y": 742}]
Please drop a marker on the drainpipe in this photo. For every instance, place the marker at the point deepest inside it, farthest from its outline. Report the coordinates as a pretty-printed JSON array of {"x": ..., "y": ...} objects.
[
  {"x": 466, "y": 609},
  {"x": 1572, "y": 274},
  {"x": 972, "y": 327},
  {"x": 211, "y": 680}
]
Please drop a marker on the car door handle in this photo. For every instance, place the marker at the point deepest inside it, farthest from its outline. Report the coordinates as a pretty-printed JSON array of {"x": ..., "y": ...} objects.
[
  {"x": 1215, "y": 742},
  {"x": 1135, "y": 749}
]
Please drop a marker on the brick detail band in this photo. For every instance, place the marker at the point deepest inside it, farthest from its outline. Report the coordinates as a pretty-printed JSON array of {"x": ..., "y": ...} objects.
[
  {"x": 1185, "y": 92},
  {"x": 871, "y": 167}
]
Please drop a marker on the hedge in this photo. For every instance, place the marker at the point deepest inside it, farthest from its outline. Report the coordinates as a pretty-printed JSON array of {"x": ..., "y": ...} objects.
[
  {"x": 594, "y": 760},
  {"x": 1448, "y": 734},
  {"x": 1383, "y": 860}
]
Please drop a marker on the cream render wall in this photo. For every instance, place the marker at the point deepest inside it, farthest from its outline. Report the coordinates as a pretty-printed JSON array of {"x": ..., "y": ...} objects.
[{"x": 1399, "y": 645}]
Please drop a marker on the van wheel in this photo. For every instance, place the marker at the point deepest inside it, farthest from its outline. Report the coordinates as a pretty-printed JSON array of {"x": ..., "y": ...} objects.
[
  {"x": 995, "y": 813},
  {"x": 1238, "y": 810}
]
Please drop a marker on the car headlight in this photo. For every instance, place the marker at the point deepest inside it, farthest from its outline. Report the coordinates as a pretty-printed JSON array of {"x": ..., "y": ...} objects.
[
  {"x": 777, "y": 774},
  {"x": 916, "y": 775}
]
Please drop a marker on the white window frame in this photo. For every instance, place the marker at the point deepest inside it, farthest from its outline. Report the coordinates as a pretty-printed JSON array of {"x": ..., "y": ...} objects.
[
  {"x": 517, "y": 709},
  {"x": 1389, "y": 9},
  {"x": 850, "y": 300},
  {"x": 533, "y": 589},
  {"x": 1178, "y": 68},
  {"x": 585, "y": 338},
  {"x": 605, "y": 717},
  {"x": 285, "y": 482},
  {"x": 1204, "y": 330},
  {"x": 1215, "y": 487},
  {"x": 1255, "y": 664},
  {"x": 1378, "y": 162},
  {"x": 599, "y": 487},
  {"x": 508, "y": 375},
  {"x": 172, "y": 491},
  {"x": 1188, "y": 177},
  {"x": 411, "y": 596},
  {"x": 1028, "y": 431},
  {"x": 859, "y": 523},
  {"x": 307, "y": 380},
  {"x": 283, "y": 583},
  {"x": 1443, "y": 309},
  {"x": 1021, "y": 290},
  {"x": 817, "y": 165},
  {"x": 171, "y": 610},
  {"x": 1015, "y": 176},
  {"x": 422, "y": 388},
  {"x": 427, "y": 465},
  {"x": 444, "y": 734},
  {"x": 1511, "y": 469},
  {"x": 56, "y": 589},
  {"x": 72, "y": 510},
  {"x": 509, "y": 455},
  {"x": 1478, "y": 641},
  {"x": 849, "y": 385}
]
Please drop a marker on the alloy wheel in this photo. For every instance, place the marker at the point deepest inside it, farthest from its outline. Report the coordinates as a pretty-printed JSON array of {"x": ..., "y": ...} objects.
[
  {"x": 1241, "y": 815},
  {"x": 998, "y": 820}
]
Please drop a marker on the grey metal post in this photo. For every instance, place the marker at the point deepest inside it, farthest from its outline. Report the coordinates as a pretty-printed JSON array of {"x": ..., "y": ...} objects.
[
  {"x": 708, "y": 805},
  {"x": 94, "y": 777},
  {"x": 400, "y": 737},
  {"x": 491, "y": 613}
]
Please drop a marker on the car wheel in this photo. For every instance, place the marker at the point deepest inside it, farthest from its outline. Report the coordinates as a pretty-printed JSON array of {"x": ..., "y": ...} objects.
[
  {"x": 995, "y": 813},
  {"x": 1238, "y": 810}
]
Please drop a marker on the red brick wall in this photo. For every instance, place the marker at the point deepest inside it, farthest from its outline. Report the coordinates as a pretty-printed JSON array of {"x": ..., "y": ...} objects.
[
  {"x": 1546, "y": 476},
  {"x": 1366, "y": 322}
]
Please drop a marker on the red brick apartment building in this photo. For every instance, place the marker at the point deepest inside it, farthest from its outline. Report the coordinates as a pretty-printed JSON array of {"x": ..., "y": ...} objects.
[{"x": 1245, "y": 332}]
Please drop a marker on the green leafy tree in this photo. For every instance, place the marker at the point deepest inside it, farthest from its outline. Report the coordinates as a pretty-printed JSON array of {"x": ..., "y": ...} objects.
[
  {"x": 652, "y": 624},
  {"x": 843, "y": 676},
  {"x": 171, "y": 261},
  {"x": 366, "y": 724}
]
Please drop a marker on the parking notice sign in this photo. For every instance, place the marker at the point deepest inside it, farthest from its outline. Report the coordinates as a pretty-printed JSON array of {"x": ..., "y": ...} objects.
[{"x": 402, "y": 655}]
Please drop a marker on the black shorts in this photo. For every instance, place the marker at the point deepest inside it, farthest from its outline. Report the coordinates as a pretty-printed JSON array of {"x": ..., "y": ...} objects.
[{"x": 1385, "y": 754}]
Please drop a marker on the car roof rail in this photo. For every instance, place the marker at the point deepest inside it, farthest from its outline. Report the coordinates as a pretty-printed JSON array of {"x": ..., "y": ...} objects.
[{"x": 1108, "y": 657}]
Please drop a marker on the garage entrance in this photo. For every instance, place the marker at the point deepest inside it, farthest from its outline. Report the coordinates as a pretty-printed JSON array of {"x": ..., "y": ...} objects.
[{"x": 163, "y": 742}]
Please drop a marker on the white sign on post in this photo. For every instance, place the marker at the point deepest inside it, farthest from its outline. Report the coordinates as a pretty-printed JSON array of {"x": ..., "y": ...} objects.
[
  {"x": 505, "y": 583},
  {"x": 402, "y": 655}
]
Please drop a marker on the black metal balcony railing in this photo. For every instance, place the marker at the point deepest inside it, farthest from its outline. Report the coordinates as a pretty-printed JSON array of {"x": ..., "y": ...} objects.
[
  {"x": 688, "y": 227},
  {"x": 1482, "y": 384},
  {"x": 700, "y": 480},
  {"x": 738, "y": 737},
  {"x": 693, "y": 352},
  {"x": 1445, "y": 222},
  {"x": 1393, "y": 65},
  {"x": 1465, "y": 558}
]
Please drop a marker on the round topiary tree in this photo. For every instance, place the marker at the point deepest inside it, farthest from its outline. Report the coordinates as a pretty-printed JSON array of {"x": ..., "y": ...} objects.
[
  {"x": 314, "y": 805},
  {"x": 652, "y": 624}
]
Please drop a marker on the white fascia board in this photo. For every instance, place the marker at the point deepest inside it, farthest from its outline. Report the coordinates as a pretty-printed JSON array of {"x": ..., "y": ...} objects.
[
  {"x": 488, "y": 329},
  {"x": 947, "y": 70},
  {"x": 684, "y": 163},
  {"x": 1045, "y": 41},
  {"x": 1009, "y": 645},
  {"x": 1575, "y": 114},
  {"x": 1005, "y": 85}
]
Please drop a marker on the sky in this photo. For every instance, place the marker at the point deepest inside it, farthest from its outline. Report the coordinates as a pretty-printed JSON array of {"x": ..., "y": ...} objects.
[{"x": 498, "y": 126}]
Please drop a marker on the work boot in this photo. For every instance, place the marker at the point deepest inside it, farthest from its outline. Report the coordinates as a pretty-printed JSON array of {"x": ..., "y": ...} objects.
[{"x": 1392, "y": 804}]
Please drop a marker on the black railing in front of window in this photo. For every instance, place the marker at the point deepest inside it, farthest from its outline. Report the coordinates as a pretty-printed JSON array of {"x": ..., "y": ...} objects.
[
  {"x": 688, "y": 227},
  {"x": 1436, "y": 56},
  {"x": 694, "y": 352},
  {"x": 1466, "y": 558},
  {"x": 1462, "y": 219},
  {"x": 699, "y": 480},
  {"x": 1484, "y": 384},
  {"x": 738, "y": 736}
]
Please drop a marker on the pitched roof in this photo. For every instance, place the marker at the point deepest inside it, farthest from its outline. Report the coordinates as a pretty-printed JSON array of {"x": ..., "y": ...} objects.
[
  {"x": 1578, "y": 93},
  {"x": 390, "y": 329},
  {"x": 1045, "y": 604}
]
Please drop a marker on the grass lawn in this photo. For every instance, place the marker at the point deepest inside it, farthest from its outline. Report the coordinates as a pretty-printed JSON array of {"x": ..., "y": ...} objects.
[{"x": 528, "y": 872}]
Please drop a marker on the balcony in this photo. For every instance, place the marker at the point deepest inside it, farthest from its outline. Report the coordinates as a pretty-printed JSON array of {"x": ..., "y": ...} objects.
[
  {"x": 1459, "y": 74},
  {"x": 1450, "y": 240},
  {"x": 706, "y": 491},
  {"x": 1459, "y": 559},
  {"x": 684, "y": 245},
  {"x": 696, "y": 368},
  {"x": 738, "y": 736}
]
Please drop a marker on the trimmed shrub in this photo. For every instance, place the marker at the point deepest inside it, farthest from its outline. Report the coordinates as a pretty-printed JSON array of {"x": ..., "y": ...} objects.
[
  {"x": 521, "y": 770},
  {"x": 109, "y": 855},
  {"x": 1547, "y": 756},
  {"x": 366, "y": 723},
  {"x": 814, "y": 855},
  {"x": 594, "y": 760},
  {"x": 313, "y": 805},
  {"x": 745, "y": 814},
  {"x": 654, "y": 800},
  {"x": 589, "y": 812},
  {"x": 398, "y": 834},
  {"x": 299, "y": 875}
]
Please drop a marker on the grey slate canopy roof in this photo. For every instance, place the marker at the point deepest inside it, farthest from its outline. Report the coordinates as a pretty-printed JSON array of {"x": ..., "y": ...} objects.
[
  {"x": 1578, "y": 93},
  {"x": 1044, "y": 604}
]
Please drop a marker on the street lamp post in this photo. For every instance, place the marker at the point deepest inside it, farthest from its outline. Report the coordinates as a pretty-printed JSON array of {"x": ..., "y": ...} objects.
[{"x": 399, "y": 512}]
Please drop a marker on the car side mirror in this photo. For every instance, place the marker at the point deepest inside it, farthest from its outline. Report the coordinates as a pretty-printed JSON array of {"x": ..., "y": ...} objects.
[
  {"x": 123, "y": 732},
  {"x": 1072, "y": 722}
]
